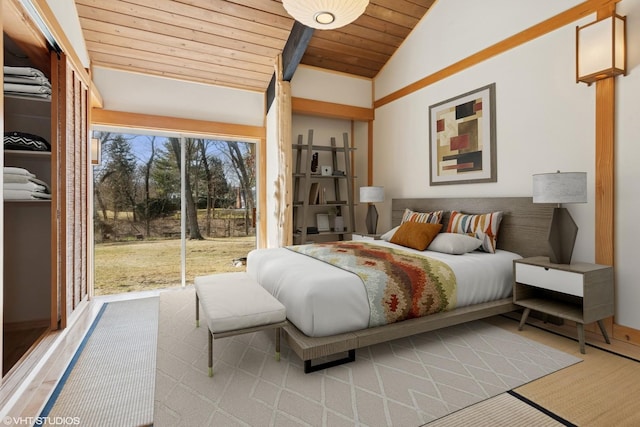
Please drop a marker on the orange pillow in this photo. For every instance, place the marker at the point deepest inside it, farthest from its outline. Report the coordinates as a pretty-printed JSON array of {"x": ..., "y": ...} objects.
[{"x": 416, "y": 235}]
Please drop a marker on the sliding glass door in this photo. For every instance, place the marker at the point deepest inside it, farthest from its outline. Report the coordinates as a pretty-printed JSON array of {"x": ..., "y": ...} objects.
[{"x": 168, "y": 208}]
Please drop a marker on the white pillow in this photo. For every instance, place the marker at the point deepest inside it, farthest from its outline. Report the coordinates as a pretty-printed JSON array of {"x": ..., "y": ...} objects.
[
  {"x": 454, "y": 243},
  {"x": 389, "y": 234}
]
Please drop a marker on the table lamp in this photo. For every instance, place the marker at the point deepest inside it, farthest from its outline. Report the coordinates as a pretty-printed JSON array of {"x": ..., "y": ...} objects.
[
  {"x": 371, "y": 195},
  {"x": 558, "y": 188}
]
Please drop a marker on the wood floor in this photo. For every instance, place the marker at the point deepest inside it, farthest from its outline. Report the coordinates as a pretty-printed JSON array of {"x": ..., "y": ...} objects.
[
  {"x": 601, "y": 390},
  {"x": 15, "y": 344}
]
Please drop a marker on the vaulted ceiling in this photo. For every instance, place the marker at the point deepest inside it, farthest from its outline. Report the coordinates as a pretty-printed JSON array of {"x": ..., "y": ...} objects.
[{"x": 235, "y": 43}]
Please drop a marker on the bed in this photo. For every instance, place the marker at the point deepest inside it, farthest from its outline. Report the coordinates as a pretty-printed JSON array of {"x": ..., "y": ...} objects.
[{"x": 338, "y": 319}]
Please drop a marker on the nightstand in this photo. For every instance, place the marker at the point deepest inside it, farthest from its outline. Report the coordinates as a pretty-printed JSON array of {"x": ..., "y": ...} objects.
[
  {"x": 580, "y": 292},
  {"x": 361, "y": 236}
]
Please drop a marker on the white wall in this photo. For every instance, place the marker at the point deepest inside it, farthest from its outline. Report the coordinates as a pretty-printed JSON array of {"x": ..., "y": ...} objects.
[
  {"x": 144, "y": 94},
  {"x": 321, "y": 85},
  {"x": 445, "y": 37},
  {"x": 545, "y": 121}
]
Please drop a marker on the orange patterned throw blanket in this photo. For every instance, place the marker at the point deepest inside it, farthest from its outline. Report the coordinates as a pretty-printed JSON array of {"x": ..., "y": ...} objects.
[{"x": 400, "y": 285}]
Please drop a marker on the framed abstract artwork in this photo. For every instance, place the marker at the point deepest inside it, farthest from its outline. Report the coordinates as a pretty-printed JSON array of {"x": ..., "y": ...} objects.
[{"x": 462, "y": 138}]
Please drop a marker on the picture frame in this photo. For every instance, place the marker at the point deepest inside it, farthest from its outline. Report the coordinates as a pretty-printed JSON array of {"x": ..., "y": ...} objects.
[
  {"x": 326, "y": 170},
  {"x": 322, "y": 222},
  {"x": 462, "y": 138}
]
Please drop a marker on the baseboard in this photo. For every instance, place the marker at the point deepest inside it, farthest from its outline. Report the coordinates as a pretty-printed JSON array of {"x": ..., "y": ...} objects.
[{"x": 626, "y": 334}]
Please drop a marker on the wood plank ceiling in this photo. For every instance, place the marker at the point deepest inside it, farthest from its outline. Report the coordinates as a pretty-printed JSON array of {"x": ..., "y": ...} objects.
[{"x": 234, "y": 43}]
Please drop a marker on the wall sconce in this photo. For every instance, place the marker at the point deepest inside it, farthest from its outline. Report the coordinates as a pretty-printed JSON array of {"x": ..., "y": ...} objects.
[
  {"x": 601, "y": 49},
  {"x": 96, "y": 151}
]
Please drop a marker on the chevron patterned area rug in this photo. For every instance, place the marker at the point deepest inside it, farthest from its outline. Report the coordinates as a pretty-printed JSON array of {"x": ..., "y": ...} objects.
[{"x": 406, "y": 382}]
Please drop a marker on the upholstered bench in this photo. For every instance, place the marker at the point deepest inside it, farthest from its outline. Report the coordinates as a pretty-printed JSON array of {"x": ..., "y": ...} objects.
[{"x": 234, "y": 304}]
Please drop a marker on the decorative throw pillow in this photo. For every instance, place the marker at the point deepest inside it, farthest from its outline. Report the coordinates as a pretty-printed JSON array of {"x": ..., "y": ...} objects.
[
  {"x": 416, "y": 235},
  {"x": 434, "y": 217},
  {"x": 389, "y": 234},
  {"x": 454, "y": 243},
  {"x": 481, "y": 226},
  {"x": 25, "y": 141}
]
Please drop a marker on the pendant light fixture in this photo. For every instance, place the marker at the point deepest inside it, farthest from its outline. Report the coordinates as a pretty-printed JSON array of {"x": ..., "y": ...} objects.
[{"x": 325, "y": 14}]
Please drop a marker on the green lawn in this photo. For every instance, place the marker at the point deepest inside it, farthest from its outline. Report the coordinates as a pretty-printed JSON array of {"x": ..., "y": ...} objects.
[{"x": 155, "y": 264}]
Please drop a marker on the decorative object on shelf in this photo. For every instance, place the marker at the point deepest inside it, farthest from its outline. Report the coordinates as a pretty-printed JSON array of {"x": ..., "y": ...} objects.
[
  {"x": 462, "y": 138},
  {"x": 371, "y": 195},
  {"x": 314, "y": 163},
  {"x": 322, "y": 221},
  {"x": 338, "y": 173},
  {"x": 338, "y": 223},
  {"x": 314, "y": 193},
  {"x": 601, "y": 49},
  {"x": 561, "y": 187},
  {"x": 326, "y": 170},
  {"x": 325, "y": 14}
]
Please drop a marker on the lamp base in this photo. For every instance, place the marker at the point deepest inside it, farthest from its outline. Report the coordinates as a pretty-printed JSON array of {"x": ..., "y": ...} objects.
[
  {"x": 372, "y": 219},
  {"x": 562, "y": 236}
]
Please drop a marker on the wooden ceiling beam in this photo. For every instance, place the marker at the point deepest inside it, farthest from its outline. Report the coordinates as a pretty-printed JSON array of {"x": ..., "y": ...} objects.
[
  {"x": 292, "y": 54},
  {"x": 294, "y": 49}
]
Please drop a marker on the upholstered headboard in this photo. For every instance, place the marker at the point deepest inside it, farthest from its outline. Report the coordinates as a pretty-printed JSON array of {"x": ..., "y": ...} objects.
[{"x": 523, "y": 230}]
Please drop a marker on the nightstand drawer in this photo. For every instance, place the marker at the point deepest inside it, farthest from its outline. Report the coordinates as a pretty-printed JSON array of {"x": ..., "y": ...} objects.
[{"x": 548, "y": 278}]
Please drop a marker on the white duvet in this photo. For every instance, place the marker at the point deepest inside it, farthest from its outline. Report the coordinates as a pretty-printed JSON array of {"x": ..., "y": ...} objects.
[{"x": 324, "y": 300}]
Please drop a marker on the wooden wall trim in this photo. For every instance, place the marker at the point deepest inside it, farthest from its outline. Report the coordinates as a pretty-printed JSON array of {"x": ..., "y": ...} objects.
[
  {"x": 604, "y": 171},
  {"x": 562, "y": 19},
  {"x": 100, "y": 117},
  {"x": 329, "y": 109}
]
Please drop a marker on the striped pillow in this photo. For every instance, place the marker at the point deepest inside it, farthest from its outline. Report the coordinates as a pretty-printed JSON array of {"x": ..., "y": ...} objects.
[
  {"x": 481, "y": 226},
  {"x": 425, "y": 217}
]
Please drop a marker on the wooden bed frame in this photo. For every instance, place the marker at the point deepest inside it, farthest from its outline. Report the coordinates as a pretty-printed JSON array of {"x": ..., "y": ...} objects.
[{"x": 523, "y": 230}]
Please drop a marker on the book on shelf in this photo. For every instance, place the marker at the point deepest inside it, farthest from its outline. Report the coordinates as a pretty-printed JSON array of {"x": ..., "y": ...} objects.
[{"x": 314, "y": 191}]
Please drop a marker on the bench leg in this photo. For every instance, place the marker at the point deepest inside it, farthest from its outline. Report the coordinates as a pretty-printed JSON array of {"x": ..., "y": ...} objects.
[
  {"x": 210, "y": 353},
  {"x": 197, "y": 311},
  {"x": 278, "y": 344}
]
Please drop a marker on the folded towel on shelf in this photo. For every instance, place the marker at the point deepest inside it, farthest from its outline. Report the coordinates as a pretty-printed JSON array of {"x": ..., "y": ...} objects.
[
  {"x": 12, "y": 170},
  {"x": 23, "y": 71},
  {"x": 19, "y": 88},
  {"x": 28, "y": 80},
  {"x": 25, "y": 195},
  {"x": 29, "y": 186}
]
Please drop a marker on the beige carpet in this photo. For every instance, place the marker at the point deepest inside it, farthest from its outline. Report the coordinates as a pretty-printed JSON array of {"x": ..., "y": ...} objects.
[
  {"x": 110, "y": 380},
  {"x": 407, "y": 382}
]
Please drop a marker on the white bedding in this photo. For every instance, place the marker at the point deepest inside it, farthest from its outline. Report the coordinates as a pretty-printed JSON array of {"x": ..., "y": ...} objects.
[{"x": 324, "y": 300}]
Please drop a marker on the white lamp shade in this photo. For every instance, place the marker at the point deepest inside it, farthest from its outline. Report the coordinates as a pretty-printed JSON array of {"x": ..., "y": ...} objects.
[
  {"x": 560, "y": 187},
  {"x": 371, "y": 194},
  {"x": 600, "y": 49},
  {"x": 325, "y": 14}
]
